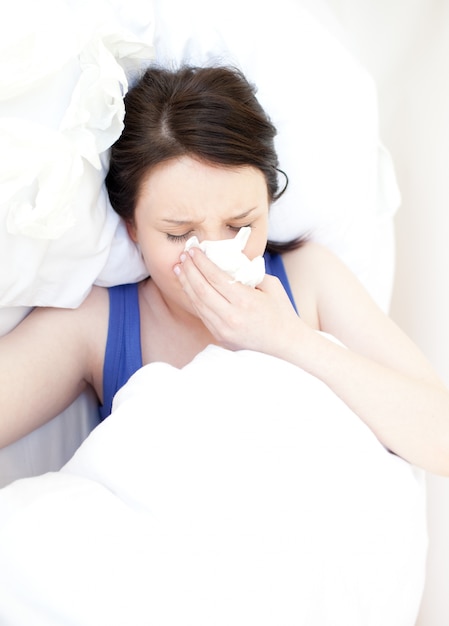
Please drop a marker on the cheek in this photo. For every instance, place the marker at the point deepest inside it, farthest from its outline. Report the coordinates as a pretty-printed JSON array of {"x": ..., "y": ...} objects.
[
  {"x": 257, "y": 242},
  {"x": 160, "y": 258}
]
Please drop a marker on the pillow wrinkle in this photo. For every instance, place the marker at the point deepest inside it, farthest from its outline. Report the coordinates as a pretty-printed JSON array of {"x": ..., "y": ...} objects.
[{"x": 62, "y": 82}]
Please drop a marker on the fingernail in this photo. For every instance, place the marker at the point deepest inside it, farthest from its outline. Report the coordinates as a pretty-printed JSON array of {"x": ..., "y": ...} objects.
[
  {"x": 177, "y": 270},
  {"x": 182, "y": 257}
]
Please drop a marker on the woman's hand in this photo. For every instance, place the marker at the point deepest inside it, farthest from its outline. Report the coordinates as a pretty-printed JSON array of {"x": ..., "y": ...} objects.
[
  {"x": 379, "y": 374},
  {"x": 239, "y": 317}
]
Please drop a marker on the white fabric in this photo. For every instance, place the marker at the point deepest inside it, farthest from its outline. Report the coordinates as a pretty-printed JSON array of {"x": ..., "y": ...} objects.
[
  {"x": 342, "y": 189},
  {"x": 61, "y": 107},
  {"x": 247, "y": 494}
]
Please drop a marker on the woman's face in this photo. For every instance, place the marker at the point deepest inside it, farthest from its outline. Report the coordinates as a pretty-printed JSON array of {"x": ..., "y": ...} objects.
[{"x": 185, "y": 197}]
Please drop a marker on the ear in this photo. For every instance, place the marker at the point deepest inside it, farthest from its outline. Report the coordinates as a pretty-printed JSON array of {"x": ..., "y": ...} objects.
[{"x": 132, "y": 230}]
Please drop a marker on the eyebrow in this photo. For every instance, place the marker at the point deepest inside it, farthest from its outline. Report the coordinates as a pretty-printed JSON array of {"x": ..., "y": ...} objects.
[{"x": 185, "y": 222}]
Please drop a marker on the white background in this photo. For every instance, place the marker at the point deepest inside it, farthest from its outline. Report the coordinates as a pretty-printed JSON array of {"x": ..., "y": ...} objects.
[{"x": 405, "y": 45}]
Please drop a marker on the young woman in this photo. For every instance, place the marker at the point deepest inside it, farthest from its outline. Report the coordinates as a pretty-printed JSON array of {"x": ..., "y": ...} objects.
[{"x": 197, "y": 157}]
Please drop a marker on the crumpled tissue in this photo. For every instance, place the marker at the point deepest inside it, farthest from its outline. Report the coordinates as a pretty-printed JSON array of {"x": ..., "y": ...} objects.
[{"x": 228, "y": 255}]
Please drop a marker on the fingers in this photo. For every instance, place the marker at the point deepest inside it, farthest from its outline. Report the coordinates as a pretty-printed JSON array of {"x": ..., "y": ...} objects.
[
  {"x": 224, "y": 306},
  {"x": 201, "y": 279},
  {"x": 202, "y": 285},
  {"x": 237, "y": 315}
]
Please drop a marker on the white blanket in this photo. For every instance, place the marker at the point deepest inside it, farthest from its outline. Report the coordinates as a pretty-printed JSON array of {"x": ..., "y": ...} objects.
[{"x": 236, "y": 491}]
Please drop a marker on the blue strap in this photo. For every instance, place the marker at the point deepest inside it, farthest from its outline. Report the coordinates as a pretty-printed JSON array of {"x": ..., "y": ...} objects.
[
  {"x": 274, "y": 265},
  {"x": 123, "y": 354}
]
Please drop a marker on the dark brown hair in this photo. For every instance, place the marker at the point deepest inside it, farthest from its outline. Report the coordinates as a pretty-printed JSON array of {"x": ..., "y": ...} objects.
[{"x": 210, "y": 113}]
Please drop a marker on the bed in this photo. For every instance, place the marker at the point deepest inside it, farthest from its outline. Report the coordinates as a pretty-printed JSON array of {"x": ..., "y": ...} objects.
[{"x": 135, "y": 520}]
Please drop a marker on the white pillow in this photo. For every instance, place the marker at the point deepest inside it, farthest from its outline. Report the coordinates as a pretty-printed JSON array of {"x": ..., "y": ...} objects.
[
  {"x": 62, "y": 82},
  {"x": 342, "y": 189}
]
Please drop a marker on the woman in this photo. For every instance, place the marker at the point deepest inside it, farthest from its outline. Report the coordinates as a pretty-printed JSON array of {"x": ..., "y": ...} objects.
[{"x": 197, "y": 158}]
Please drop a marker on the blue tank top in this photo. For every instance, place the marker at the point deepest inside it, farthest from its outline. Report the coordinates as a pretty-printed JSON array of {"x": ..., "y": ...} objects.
[{"x": 123, "y": 354}]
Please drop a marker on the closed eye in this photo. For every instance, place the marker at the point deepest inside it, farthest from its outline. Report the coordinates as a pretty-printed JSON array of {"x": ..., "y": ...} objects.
[
  {"x": 185, "y": 236},
  {"x": 237, "y": 228},
  {"x": 178, "y": 238}
]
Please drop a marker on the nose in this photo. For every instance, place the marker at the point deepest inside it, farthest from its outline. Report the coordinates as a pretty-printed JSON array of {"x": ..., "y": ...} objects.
[{"x": 216, "y": 233}]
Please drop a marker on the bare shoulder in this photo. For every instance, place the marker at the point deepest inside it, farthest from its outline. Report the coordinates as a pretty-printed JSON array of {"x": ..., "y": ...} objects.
[
  {"x": 331, "y": 289},
  {"x": 93, "y": 323},
  {"x": 86, "y": 319},
  {"x": 88, "y": 327},
  {"x": 60, "y": 351},
  {"x": 73, "y": 337},
  {"x": 334, "y": 298},
  {"x": 95, "y": 306},
  {"x": 343, "y": 308},
  {"x": 307, "y": 268},
  {"x": 310, "y": 257}
]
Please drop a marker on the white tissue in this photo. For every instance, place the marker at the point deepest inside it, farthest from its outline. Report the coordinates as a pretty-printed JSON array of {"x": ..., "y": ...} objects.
[{"x": 228, "y": 255}]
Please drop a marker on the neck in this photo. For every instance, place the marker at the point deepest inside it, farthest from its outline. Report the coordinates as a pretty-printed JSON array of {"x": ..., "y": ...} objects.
[{"x": 173, "y": 334}]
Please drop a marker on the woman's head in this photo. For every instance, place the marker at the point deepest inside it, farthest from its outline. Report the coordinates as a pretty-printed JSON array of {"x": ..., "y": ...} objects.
[{"x": 210, "y": 114}]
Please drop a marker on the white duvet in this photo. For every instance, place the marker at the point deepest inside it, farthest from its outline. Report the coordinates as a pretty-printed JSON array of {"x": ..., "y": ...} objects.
[{"x": 236, "y": 491}]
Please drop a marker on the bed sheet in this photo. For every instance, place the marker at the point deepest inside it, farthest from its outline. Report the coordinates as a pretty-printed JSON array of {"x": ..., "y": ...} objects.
[
  {"x": 261, "y": 501},
  {"x": 342, "y": 186}
]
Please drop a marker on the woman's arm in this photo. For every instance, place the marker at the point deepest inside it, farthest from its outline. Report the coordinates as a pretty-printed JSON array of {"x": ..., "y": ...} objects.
[
  {"x": 380, "y": 374},
  {"x": 47, "y": 361}
]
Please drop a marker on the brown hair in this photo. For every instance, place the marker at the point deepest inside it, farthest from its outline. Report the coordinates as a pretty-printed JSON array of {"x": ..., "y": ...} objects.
[{"x": 210, "y": 113}]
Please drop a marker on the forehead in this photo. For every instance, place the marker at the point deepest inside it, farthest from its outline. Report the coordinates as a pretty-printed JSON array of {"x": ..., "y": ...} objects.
[{"x": 185, "y": 187}]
